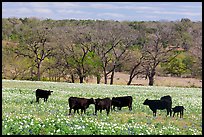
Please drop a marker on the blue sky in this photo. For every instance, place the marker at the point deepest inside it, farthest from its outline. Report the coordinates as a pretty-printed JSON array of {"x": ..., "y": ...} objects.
[{"x": 120, "y": 11}]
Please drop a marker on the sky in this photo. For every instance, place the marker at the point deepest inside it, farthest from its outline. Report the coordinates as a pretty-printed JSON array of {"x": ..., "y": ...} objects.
[{"x": 120, "y": 11}]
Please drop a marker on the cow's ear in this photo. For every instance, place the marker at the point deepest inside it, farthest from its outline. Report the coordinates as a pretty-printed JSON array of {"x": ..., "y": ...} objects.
[{"x": 51, "y": 91}]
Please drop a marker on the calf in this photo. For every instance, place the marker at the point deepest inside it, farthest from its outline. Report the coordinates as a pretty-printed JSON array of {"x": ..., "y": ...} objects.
[
  {"x": 101, "y": 104},
  {"x": 79, "y": 103},
  {"x": 122, "y": 102},
  {"x": 40, "y": 93},
  {"x": 178, "y": 109},
  {"x": 157, "y": 104}
]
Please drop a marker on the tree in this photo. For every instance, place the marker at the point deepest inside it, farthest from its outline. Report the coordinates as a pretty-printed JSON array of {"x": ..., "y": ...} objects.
[
  {"x": 35, "y": 42},
  {"x": 111, "y": 44},
  {"x": 196, "y": 49},
  {"x": 75, "y": 47},
  {"x": 133, "y": 64},
  {"x": 176, "y": 67},
  {"x": 157, "y": 49},
  {"x": 13, "y": 67}
]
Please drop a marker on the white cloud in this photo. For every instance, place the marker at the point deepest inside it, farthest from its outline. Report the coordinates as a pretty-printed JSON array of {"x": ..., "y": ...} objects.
[
  {"x": 191, "y": 6},
  {"x": 115, "y": 15},
  {"x": 62, "y": 5},
  {"x": 42, "y": 10},
  {"x": 107, "y": 10},
  {"x": 112, "y": 15},
  {"x": 122, "y": 7},
  {"x": 178, "y": 13},
  {"x": 63, "y": 11},
  {"x": 104, "y": 6}
]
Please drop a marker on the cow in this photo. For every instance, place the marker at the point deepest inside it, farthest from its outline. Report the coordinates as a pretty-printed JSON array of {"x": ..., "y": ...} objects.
[
  {"x": 102, "y": 104},
  {"x": 122, "y": 102},
  {"x": 168, "y": 99},
  {"x": 157, "y": 104},
  {"x": 178, "y": 109},
  {"x": 40, "y": 93},
  {"x": 77, "y": 103}
]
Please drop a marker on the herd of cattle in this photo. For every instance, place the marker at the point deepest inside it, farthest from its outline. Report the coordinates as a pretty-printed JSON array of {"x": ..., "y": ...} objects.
[{"x": 108, "y": 104}]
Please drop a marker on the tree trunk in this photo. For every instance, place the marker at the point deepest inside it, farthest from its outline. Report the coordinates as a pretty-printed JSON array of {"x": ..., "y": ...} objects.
[
  {"x": 81, "y": 79},
  {"x": 151, "y": 81},
  {"x": 98, "y": 79},
  {"x": 105, "y": 76},
  {"x": 151, "y": 77},
  {"x": 131, "y": 76},
  {"x": 130, "y": 80},
  {"x": 38, "y": 74},
  {"x": 105, "y": 79},
  {"x": 72, "y": 77},
  {"x": 112, "y": 76}
]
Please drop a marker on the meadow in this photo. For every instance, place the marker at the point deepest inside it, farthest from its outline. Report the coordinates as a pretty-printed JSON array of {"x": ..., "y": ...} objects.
[{"x": 21, "y": 115}]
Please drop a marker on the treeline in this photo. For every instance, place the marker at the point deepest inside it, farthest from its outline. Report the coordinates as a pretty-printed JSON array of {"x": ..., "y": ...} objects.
[{"x": 72, "y": 50}]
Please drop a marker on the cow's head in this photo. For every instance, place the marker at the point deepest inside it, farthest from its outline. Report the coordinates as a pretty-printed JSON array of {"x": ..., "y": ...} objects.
[
  {"x": 50, "y": 92},
  {"x": 146, "y": 102},
  {"x": 97, "y": 101},
  {"x": 92, "y": 101}
]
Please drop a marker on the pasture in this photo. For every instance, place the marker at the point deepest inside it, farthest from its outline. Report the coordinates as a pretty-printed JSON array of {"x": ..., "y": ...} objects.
[{"x": 21, "y": 115}]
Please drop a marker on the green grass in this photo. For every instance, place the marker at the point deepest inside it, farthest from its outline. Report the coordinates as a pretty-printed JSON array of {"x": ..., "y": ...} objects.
[{"x": 22, "y": 117}]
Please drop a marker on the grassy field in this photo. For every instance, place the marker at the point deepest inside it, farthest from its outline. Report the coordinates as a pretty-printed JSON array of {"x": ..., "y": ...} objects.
[{"x": 22, "y": 117}]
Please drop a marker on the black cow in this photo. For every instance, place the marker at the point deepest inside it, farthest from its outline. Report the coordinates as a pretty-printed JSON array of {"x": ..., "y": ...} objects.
[
  {"x": 157, "y": 104},
  {"x": 102, "y": 104},
  {"x": 122, "y": 102},
  {"x": 178, "y": 109},
  {"x": 40, "y": 93},
  {"x": 79, "y": 103},
  {"x": 168, "y": 99}
]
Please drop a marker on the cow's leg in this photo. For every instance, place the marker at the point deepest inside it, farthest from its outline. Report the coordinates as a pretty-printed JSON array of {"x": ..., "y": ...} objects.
[
  {"x": 120, "y": 108},
  {"x": 154, "y": 113},
  {"x": 37, "y": 99},
  {"x": 108, "y": 110},
  {"x": 84, "y": 110},
  {"x": 173, "y": 114},
  {"x": 130, "y": 107},
  {"x": 182, "y": 113},
  {"x": 114, "y": 108},
  {"x": 170, "y": 111},
  {"x": 100, "y": 110},
  {"x": 70, "y": 111},
  {"x": 167, "y": 112}
]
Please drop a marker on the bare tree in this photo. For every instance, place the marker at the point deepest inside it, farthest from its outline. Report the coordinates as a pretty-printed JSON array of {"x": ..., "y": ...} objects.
[
  {"x": 75, "y": 49},
  {"x": 134, "y": 64},
  {"x": 35, "y": 43},
  {"x": 158, "y": 49},
  {"x": 111, "y": 44},
  {"x": 196, "y": 48}
]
